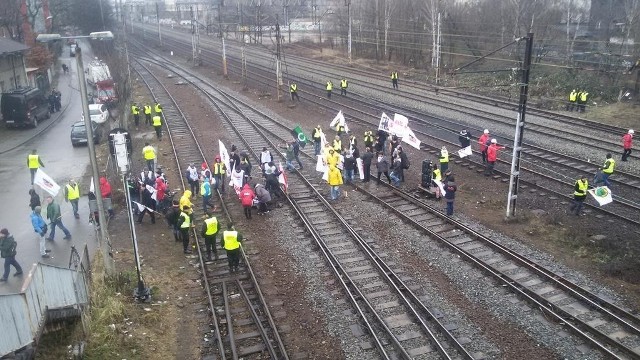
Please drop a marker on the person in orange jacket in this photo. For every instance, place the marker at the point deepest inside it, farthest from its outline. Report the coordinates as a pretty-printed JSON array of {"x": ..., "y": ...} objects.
[
  {"x": 492, "y": 156},
  {"x": 627, "y": 144},
  {"x": 246, "y": 198}
]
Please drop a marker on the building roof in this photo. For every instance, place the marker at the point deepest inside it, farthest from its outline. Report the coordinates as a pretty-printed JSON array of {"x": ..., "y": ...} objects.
[{"x": 8, "y": 46}]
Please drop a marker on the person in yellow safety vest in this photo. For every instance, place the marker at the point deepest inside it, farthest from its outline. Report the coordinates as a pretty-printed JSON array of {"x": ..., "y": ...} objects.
[
  {"x": 293, "y": 89},
  {"x": 72, "y": 195},
  {"x": 231, "y": 242},
  {"x": 353, "y": 142},
  {"x": 147, "y": 114},
  {"x": 337, "y": 144},
  {"x": 219, "y": 169},
  {"x": 185, "y": 222},
  {"x": 34, "y": 162},
  {"x": 317, "y": 139},
  {"x": 158, "y": 108},
  {"x": 343, "y": 87},
  {"x": 573, "y": 97},
  {"x": 135, "y": 111},
  {"x": 149, "y": 154},
  {"x": 605, "y": 172},
  {"x": 368, "y": 139},
  {"x": 394, "y": 79},
  {"x": 329, "y": 88},
  {"x": 582, "y": 101},
  {"x": 157, "y": 125},
  {"x": 209, "y": 232},
  {"x": 444, "y": 159},
  {"x": 579, "y": 195}
]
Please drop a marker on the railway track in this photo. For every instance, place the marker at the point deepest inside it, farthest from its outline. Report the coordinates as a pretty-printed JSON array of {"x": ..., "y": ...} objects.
[
  {"x": 604, "y": 325},
  {"x": 242, "y": 323},
  {"x": 541, "y": 165}
]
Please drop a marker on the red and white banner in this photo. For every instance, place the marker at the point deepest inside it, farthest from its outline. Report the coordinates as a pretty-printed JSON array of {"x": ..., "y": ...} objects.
[
  {"x": 282, "y": 178},
  {"x": 411, "y": 139}
]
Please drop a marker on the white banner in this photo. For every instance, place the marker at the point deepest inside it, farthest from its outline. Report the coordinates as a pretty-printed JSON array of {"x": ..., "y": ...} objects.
[
  {"x": 323, "y": 141},
  {"x": 411, "y": 139},
  {"x": 236, "y": 180},
  {"x": 46, "y": 182},
  {"x": 602, "y": 195},
  {"x": 400, "y": 125},
  {"x": 320, "y": 166},
  {"x": 224, "y": 157},
  {"x": 360, "y": 166},
  {"x": 465, "y": 152},
  {"x": 441, "y": 186}
]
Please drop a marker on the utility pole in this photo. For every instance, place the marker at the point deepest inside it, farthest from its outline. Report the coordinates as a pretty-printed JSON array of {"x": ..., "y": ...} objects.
[
  {"x": 224, "y": 60},
  {"x": 158, "y": 18},
  {"x": 220, "y": 5},
  {"x": 438, "y": 52},
  {"x": 144, "y": 30},
  {"x": 278, "y": 63},
  {"x": 514, "y": 179},
  {"x": 195, "y": 36},
  {"x": 259, "y": 33},
  {"x": 377, "y": 31},
  {"x": 244, "y": 67},
  {"x": 131, "y": 19},
  {"x": 349, "y": 35}
]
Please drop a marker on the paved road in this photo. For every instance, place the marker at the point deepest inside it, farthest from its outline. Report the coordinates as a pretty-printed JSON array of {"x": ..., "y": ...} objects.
[{"x": 62, "y": 162}]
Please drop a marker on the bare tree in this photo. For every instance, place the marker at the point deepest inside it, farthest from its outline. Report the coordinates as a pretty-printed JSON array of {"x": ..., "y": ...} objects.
[{"x": 10, "y": 19}]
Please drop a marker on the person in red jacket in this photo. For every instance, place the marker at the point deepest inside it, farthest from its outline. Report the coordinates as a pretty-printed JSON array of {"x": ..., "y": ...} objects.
[
  {"x": 492, "y": 156},
  {"x": 246, "y": 197},
  {"x": 105, "y": 190},
  {"x": 482, "y": 141},
  {"x": 161, "y": 188},
  {"x": 627, "y": 140}
]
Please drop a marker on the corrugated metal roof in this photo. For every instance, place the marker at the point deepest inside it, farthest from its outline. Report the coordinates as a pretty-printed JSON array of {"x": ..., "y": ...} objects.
[{"x": 8, "y": 46}]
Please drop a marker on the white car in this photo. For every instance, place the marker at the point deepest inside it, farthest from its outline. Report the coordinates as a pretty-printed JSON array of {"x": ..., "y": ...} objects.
[{"x": 99, "y": 113}]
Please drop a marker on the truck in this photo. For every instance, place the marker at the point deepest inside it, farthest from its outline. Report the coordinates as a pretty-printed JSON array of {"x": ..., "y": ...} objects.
[{"x": 99, "y": 77}]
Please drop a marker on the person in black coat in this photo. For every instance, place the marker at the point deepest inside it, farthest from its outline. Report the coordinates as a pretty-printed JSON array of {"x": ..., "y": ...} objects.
[
  {"x": 464, "y": 138},
  {"x": 149, "y": 203},
  {"x": 367, "y": 156},
  {"x": 450, "y": 189},
  {"x": 34, "y": 200}
]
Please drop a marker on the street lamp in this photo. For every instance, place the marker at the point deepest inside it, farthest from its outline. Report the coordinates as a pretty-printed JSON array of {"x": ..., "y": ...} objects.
[{"x": 104, "y": 234}]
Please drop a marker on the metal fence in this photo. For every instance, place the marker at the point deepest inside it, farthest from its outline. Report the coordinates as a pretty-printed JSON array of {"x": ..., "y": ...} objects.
[{"x": 48, "y": 293}]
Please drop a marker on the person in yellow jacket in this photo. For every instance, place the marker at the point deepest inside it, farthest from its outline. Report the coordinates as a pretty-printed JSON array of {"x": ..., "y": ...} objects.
[
  {"x": 343, "y": 86},
  {"x": 335, "y": 180},
  {"x": 337, "y": 144},
  {"x": 231, "y": 242},
  {"x": 332, "y": 157},
  {"x": 158, "y": 108},
  {"x": 157, "y": 125},
  {"x": 149, "y": 154},
  {"x": 209, "y": 231},
  {"x": 72, "y": 195},
  {"x": 34, "y": 162},
  {"x": 394, "y": 79},
  {"x": 444, "y": 159},
  {"x": 329, "y": 88},
  {"x": 185, "y": 200}
]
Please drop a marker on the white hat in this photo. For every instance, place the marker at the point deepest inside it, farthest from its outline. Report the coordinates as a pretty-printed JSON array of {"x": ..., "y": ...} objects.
[
  {"x": 486, "y": 131},
  {"x": 631, "y": 131},
  {"x": 494, "y": 141}
]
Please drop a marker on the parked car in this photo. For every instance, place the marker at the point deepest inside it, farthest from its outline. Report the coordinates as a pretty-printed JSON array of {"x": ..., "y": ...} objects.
[
  {"x": 79, "y": 133},
  {"x": 99, "y": 113},
  {"x": 24, "y": 107}
]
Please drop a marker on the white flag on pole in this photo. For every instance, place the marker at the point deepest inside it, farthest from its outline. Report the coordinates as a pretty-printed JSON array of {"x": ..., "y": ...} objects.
[
  {"x": 385, "y": 123},
  {"x": 224, "y": 156},
  {"x": 441, "y": 186},
  {"x": 282, "y": 178},
  {"x": 46, "y": 182},
  {"x": 411, "y": 139},
  {"x": 400, "y": 125},
  {"x": 338, "y": 120},
  {"x": 465, "y": 152},
  {"x": 602, "y": 195},
  {"x": 320, "y": 165}
]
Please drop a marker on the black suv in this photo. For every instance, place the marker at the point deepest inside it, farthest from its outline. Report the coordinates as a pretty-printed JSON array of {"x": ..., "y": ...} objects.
[
  {"x": 79, "y": 133},
  {"x": 24, "y": 107}
]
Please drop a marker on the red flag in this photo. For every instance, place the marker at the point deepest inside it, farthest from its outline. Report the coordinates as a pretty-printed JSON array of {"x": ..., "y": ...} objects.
[{"x": 282, "y": 178}]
